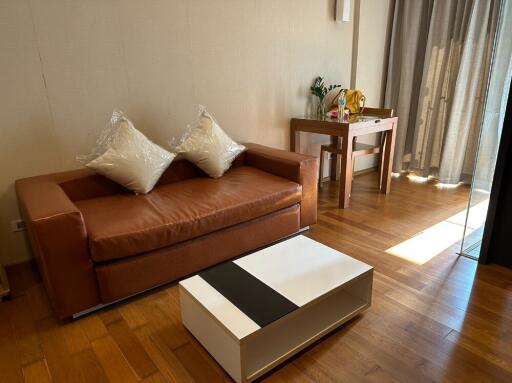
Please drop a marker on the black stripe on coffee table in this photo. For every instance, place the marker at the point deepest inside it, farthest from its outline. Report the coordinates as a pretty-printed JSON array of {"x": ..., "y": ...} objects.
[{"x": 254, "y": 298}]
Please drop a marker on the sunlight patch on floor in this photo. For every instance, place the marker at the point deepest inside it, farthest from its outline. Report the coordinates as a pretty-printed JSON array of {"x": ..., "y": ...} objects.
[
  {"x": 432, "y": 241},
  {"x": 417, "y": 179},
  {"x": 441, "y": 185},
  {"x": 422, "y": 180}
]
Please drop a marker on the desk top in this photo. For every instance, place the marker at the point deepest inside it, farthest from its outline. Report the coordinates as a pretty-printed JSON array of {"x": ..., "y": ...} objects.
[
  {"x": 353, "y": 119},
  {"x": 357, "y": 124}
]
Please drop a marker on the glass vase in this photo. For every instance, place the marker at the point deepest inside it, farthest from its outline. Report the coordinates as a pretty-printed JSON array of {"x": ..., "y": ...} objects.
[{"x": 320, "y": 108}]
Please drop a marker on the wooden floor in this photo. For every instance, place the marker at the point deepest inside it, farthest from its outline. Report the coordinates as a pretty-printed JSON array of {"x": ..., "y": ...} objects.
[{"x": 442, "y": 321}]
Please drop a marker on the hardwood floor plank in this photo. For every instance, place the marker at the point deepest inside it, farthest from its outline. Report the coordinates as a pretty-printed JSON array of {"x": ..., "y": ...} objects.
[
  {"x": 132, "y": 349},
  {"x": 191, "y": 359},
  {"x": 109, "y": 315},
  {"x": 55, "y": 351},
  {"x": 38, "y": 302},
  {"x": 333, "y": 354},
  {"x": 37, "y": 372},
  {"x": 163, "y": 357},
  {"x": 403, "y": 369},
  {"x": 88, "y": 367},
  {"x": 24, "y": 331},
  {"x": 133, "y": 314},
  {"x": 165, "y": 324},
  {"x": 497, "y": 352},
  {"x": 10, "y": 361},
  {"x": 93, "y": 327},
  {"x": 155, "y": 378},
  {"x": 113, "y": 361},
  {"x": 289, "y": 373},
  {"x": 76, "y": 339},
  {"x": 313, "y": 370}
]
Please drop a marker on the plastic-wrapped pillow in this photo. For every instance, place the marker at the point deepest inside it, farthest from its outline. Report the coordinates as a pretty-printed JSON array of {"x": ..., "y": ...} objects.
[
  {"x": 126, "y": 156},
  {"x": 208, "y": 146}
]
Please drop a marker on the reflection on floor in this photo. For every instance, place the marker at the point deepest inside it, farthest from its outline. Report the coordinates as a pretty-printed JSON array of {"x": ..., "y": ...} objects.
[
  {"x": 474, "y": 250},
  {"x": 445, "y": 320}
]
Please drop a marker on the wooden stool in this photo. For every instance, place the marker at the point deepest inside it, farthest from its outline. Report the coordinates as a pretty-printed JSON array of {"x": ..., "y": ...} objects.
[{"x": 359, "y": 149}]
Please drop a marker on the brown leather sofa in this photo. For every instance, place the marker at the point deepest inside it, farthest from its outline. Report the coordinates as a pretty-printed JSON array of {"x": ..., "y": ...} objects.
[{"x": 95, "y": 242}]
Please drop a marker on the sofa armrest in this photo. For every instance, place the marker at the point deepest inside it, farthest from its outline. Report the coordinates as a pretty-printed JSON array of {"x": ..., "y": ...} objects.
[
  {"x": 59, "y": 242},
  {"x": 296, "y": 167}
]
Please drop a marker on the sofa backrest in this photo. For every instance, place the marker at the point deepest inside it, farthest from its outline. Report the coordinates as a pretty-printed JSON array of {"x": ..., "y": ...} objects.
[
  {"x": 91, "y": 186},
  {"x": 94, "y": 186}
]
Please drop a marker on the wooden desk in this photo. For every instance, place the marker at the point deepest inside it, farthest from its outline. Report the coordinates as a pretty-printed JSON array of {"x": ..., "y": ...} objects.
[{"x": 358, "y": 125}]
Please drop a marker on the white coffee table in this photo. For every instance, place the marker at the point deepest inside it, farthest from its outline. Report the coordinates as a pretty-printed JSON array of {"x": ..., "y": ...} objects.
[{"x": 255, "y": 312}]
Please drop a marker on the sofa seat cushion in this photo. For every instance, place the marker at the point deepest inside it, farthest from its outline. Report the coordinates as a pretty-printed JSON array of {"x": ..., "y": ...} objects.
[{"x": 120, "y": 226}]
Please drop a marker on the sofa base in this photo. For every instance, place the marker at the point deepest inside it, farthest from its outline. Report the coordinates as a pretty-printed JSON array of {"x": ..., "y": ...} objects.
[
  {"x": 104, "y": 305},
  {"x": 121, "y": 279}
]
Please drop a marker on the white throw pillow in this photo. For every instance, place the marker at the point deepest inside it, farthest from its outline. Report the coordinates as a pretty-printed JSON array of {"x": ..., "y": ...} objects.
[
  {"x": 209, "y": 147},
  {"x": 126, "y": 156}
]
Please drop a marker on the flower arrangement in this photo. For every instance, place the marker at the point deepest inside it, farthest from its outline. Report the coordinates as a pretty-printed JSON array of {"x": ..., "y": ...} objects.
[{"x": 320, "y": 90}]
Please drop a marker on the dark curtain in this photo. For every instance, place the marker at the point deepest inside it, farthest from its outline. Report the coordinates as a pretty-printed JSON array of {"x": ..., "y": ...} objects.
[{"x": 497, "y": 240}]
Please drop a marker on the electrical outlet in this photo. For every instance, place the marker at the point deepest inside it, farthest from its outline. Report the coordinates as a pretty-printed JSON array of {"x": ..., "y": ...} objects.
[{"x": 17, "y": 225}]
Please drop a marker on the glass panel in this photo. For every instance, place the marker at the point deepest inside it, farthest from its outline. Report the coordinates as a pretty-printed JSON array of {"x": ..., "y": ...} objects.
[{"x": 494, "y": 113}]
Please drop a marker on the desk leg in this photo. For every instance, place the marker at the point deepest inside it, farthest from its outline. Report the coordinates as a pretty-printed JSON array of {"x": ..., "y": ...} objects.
[
  {"x": 346, "y": 172},
  {"x": 334, "y": 165},
  {"x": 389, "y": 150},
  {"x": 294, "y": 140}
]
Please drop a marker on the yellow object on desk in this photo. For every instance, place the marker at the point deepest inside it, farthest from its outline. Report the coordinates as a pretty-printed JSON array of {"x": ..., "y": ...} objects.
[{"x": 355, "y": 100}]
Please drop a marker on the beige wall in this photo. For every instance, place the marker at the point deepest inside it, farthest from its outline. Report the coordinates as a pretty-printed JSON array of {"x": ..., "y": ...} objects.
[{"x": 66, "y": 64}]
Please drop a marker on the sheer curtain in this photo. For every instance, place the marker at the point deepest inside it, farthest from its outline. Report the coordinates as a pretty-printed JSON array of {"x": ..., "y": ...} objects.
[
  {"x": 439, "y": 63},
  {"x": 496, "y": 102}
]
